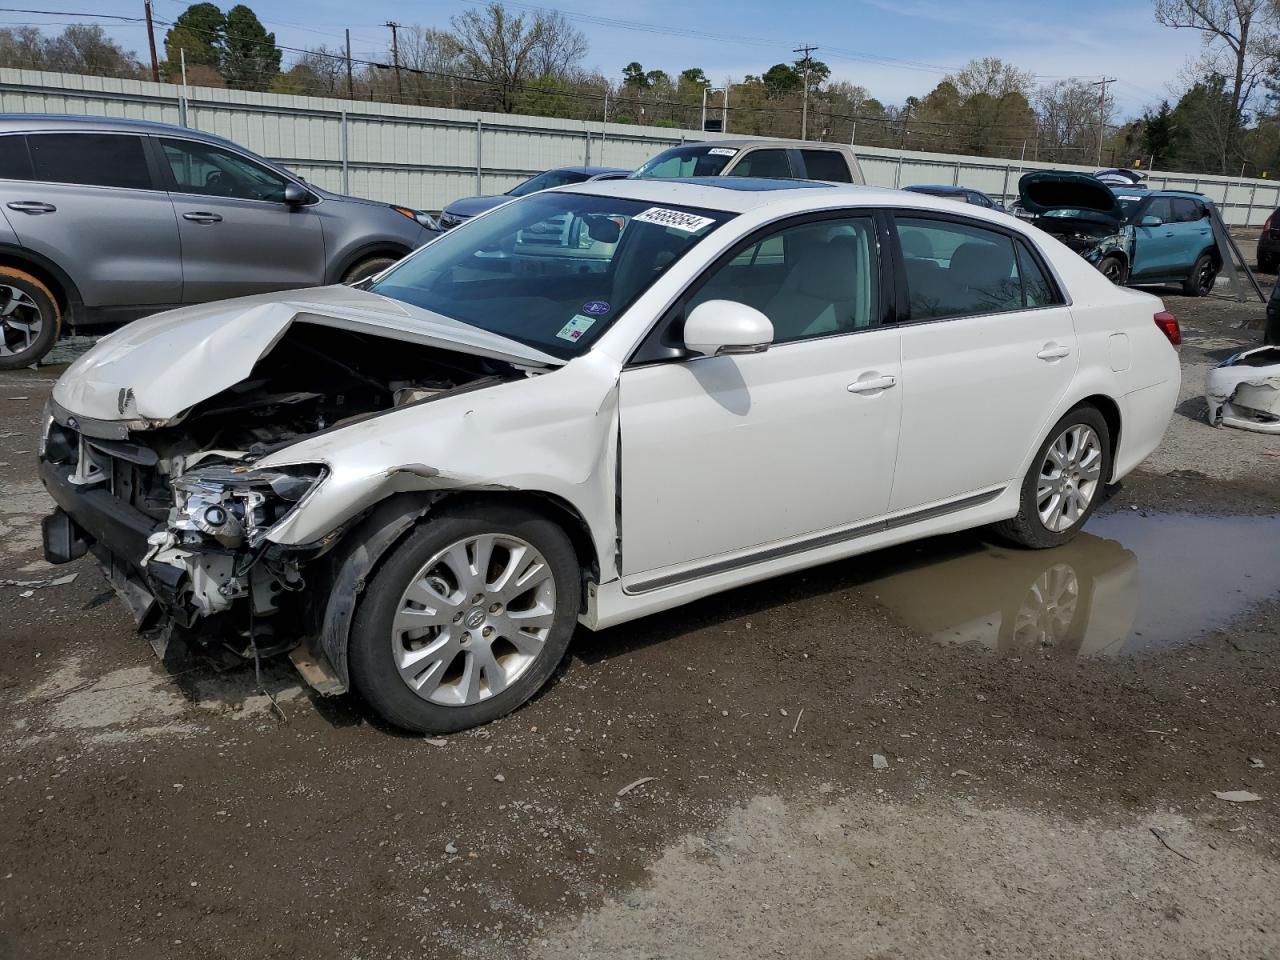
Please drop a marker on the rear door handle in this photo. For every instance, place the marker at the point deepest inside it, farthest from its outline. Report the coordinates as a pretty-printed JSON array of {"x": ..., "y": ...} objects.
[
  {"x": 872, "y": 384},
  {"x": 31, "y": 206},
  {"x": 202, "y": 216},
  {"x": 1052, "y": 352}
]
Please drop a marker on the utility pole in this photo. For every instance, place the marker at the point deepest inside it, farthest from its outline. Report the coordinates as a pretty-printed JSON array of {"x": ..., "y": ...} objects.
[
  {"x": 351, "y": 84},
  {"x": 804, "y": 94},
  {"x": 1102, "y": 112},
  {"x": 395, "y": 55},
  {"x": 151, "y": 39}
]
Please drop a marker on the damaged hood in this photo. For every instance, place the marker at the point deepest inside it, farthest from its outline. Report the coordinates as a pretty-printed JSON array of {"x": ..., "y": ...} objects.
[
  {"x": 155, "y": 369},
  {"x": 1076, "y": 195}
]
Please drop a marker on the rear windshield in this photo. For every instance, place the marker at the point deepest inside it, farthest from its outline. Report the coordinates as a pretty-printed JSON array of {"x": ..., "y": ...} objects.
[
  {"x": 700, "y": 160},
  {"x": 552, "y": 270}
]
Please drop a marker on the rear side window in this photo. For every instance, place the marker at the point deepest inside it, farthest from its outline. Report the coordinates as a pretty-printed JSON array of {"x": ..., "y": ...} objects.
[
  {"x": 826, "y": 165},
  {"x": 15, "y": 162},
  {"x": 91, "y": 159},
  {"x": 1037, "y": 291},
  {"x": 764, "y": 163},
  {"x": 958, "y": 270}
]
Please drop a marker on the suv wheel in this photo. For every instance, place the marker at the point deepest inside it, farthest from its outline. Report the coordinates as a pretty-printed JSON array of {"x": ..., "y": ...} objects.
[
  {"x": 367, "y": 268},
  {"x": 29, "y": 319},
  {"x": 1065, "y": 482},
  {"x": 1199, "y": 282},
  {"x": 1113, "y": 269},
  {"x": 467, "y": 619}
]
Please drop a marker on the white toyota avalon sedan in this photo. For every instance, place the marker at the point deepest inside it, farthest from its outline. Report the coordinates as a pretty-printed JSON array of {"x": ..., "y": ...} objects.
[{"x": 589, "y": 405}]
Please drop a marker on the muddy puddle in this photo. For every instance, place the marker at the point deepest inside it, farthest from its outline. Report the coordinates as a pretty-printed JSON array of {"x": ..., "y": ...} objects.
[{"x": 1132, "y": 583}]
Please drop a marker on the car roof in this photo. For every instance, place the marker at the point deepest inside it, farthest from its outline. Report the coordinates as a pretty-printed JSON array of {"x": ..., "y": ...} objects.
[
  {"x": 937, "y": 188},
  {"x": 741, "y": 194},
  {"x": 745, "y": 142},
  {"x": 31, "y": 122}
]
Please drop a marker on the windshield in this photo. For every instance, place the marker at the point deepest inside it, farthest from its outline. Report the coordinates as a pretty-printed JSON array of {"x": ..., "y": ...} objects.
[
  {"x": 552, "y": 270},
  {"x": 705, "y": 160},
  {"x": 545, "y": 181},
  {"x": 1128, "y": 205}
]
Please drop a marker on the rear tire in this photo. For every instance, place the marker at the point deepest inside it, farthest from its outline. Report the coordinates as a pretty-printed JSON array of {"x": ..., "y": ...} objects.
[
  {"x": 1070, "y": 468},
  {"x": 1113, "y": 269},
  {"x": 367, "y": 268},
  {"x": 467, "y": 618},
  {"x": 1266, "y": 264},
  {"x": 29, "y": 319},
  {"x": 1199, "y": 282}
]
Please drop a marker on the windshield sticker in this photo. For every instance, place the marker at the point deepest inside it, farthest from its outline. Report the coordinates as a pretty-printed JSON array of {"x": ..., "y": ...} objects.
[
  {"x": 721, "y": 152},
  {"x": 595, "y": 308},
  {"x": 678, "y": 219},
  {"x": 576, "y": 327}
]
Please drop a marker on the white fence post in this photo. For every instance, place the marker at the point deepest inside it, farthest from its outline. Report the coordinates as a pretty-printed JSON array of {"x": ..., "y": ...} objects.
[
  {"x": 479, "y": 157},
  {"x": 346, "y": 160}
]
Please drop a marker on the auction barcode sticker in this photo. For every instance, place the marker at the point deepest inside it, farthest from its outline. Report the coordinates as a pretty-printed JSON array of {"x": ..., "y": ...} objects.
[
  {"x": 661, "y": 216},
  {"x": 721, "y": 152}
]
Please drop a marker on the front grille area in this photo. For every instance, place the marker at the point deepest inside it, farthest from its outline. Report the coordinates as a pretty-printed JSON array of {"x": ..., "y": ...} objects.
[{"x": 128, "y": 471}]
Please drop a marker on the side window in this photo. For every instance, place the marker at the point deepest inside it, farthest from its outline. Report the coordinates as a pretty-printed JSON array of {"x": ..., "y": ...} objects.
[
  {"x": 826, "y": 165},
  {"x": 205, "y": 169},
  {"x": 810, "y": 280},
  {"x": 1037, "y": 291},
  {"x": 91, "y": 159},
  {"x": 957, "y": 270},
  {"x": 15, "y": 162},
  {"x": 1161, "y": 207},
  {"x": 763, "y": 163},
  {"x": 1186, "y": 211}
]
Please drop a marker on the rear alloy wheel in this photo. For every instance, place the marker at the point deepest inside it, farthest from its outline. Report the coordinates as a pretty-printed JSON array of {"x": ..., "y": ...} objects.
[
  {"x": 29, "y": 319},
  {"x": 1200, "y": 281},
  {"x": 467, "y": 619},
  {"x": 1114, "y": 270},
  {"x": 367, "y": 268},
  {"x": 1065, "y": 482}
]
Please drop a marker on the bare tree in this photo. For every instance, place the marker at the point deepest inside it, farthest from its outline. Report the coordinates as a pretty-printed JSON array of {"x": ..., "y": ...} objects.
[
  {"x": 506, "y": 51},
  {"x": 1071, "y": 117},
  {"x": 1240, "y": 38}
]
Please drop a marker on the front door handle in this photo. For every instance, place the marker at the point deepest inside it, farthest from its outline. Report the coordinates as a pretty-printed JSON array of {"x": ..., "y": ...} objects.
[
  {"x": 32, "y": 206},
  {"x": 202, "y": 216},
  {"x": 1053, "y": 351},
  {"x": 872, "y": 384}
]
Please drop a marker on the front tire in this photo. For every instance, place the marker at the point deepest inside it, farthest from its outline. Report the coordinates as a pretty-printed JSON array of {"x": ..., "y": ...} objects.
[
  {"x": 466, "y": 619},
  {"x": 367, "y": 268},
  {"x": 29, "y": 319},
  {"x": 1113, "y": 269},
  {"x": 1065, "y": 482},
  {"x": 1202, "y": 277}
]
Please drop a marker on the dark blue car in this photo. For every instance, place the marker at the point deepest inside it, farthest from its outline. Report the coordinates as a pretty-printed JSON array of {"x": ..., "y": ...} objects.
[
  {"x": 463, "y": 210},
  {"x": 962, "y": 194}
]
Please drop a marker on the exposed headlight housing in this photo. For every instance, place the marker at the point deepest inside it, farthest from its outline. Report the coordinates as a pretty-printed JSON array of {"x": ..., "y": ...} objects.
[{"x": 235, "y": 505}]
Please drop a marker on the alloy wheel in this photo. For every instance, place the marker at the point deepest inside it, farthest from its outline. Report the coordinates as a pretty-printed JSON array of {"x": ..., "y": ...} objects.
[
  {"x": 1205, "y": 278},
  {"x": 1069, "y": 477},
  {"x": 473, "y": 619},
  {"x": 20, "y": 321}
]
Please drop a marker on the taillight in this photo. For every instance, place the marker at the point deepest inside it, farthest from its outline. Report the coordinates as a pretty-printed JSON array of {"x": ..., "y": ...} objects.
[
  {"x": 1266, "y": 224},
  {"x": 1168, "y": 325}
]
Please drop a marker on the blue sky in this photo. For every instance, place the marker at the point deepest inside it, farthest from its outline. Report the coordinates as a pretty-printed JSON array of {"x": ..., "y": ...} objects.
[{"x": 894, "y": 48}]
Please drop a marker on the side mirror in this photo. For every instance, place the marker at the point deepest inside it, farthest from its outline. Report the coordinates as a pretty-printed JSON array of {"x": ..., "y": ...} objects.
[
  {"x": 719, "y": 327},
  {"x": 1151, "y": 222},
  {"x": 295, "y": 194}
]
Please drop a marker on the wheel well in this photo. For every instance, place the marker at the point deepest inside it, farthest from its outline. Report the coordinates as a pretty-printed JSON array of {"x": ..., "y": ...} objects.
[
  {"x": 55, "y": 284},
  {"x": 1110, "y": 411}
]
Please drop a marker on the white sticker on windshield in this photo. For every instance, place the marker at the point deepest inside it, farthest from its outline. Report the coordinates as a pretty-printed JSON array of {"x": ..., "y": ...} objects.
[
  {"x": 688, "y": 222},
  {"x": 722, "y": 151},
  {"x": 575, "y": 328}
]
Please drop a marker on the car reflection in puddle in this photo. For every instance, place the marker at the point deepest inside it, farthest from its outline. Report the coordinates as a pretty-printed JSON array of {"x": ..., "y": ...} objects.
[{"x": 1130, "y": 584}]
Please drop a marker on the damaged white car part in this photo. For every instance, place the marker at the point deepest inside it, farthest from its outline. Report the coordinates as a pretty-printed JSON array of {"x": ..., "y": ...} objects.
[
  {"x": 588, "y": 405},
  {"x": 1244, "y": 391}
]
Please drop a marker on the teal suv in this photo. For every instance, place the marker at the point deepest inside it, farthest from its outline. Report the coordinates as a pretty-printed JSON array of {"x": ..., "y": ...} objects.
[{"x": 1132, "y": 236}]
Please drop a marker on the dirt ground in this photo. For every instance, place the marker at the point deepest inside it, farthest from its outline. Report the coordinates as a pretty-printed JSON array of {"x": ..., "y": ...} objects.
[{"x": 948, "y": 749}]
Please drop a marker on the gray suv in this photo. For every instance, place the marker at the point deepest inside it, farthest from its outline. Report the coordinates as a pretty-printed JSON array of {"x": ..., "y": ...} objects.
[{"x": 103, "y": 221}]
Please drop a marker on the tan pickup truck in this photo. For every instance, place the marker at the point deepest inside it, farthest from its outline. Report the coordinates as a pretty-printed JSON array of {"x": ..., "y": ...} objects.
[{"x": 774, "y": 159}]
